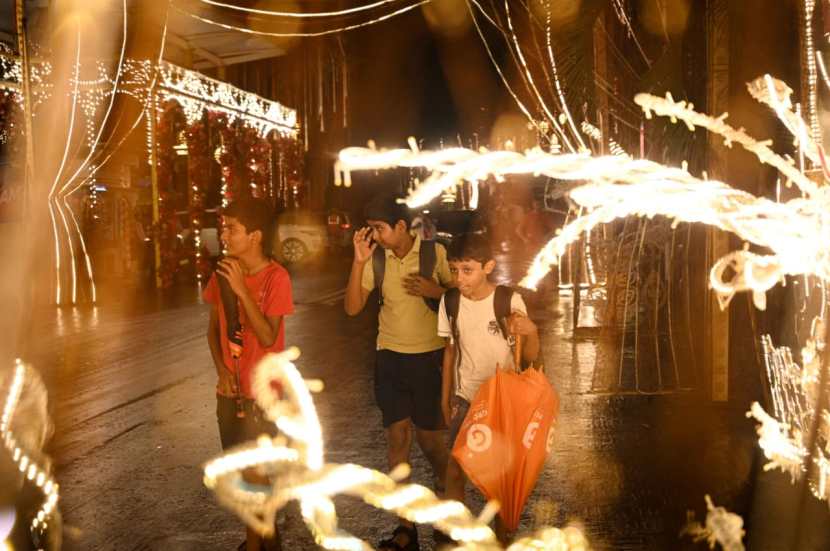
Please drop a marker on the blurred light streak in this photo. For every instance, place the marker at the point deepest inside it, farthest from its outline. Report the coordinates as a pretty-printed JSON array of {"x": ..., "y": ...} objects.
[
  {"x": 529, "y": 76},
  {"x": 26, "y": 387},
  {"x": 310, "y": 34},
  {"x": 684, "y": 111},
  {"x": 60, "y": 170},
  {"x": 539, "y": 127},
  {"x": 619, "y": 9},
  {"x": 62, "y": 193},
  {"x": 298, "y": 472},
  {"x": 562, "y": 101},
  {"x": 275, "y": 13}
]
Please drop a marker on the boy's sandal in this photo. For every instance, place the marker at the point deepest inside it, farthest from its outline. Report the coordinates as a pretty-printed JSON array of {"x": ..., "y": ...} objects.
[{"x": 394, "y": 543}]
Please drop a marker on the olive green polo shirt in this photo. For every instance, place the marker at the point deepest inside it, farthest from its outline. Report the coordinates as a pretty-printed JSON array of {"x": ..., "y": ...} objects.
[{"x": 405, "y": 323}]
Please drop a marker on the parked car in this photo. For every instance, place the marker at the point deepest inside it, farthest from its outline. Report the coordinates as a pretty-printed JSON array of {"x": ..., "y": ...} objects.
[
  {"x": 452, "y": 223},
  {"x": 302, "y": 235}
]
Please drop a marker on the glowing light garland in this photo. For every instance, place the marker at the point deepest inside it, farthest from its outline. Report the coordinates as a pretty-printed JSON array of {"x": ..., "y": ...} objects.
[
  {"x": 309, "y": 34},
  {"x": 300, "y": 15},
  {"x": 26, "y": 388},
  {"x": 297, "y": 471},
  {"x": 196, "y": 93}
]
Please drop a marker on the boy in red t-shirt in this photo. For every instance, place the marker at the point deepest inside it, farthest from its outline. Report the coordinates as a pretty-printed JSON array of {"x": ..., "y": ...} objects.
[{"x": 263, "y": 292}]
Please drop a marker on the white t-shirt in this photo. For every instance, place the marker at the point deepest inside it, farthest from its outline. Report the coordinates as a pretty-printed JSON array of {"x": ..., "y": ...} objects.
[{"x": 482, "y": 345}]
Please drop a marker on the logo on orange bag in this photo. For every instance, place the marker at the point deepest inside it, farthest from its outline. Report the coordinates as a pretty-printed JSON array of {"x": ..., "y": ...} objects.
[
  {"x": 479, "y": 438},
  {"x": 530, "y": 434},
  {"x": 551, "y": 434}
]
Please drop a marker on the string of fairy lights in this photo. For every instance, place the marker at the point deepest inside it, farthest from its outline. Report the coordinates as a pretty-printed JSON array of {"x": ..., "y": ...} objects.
[{"x": 26, "y": 384}]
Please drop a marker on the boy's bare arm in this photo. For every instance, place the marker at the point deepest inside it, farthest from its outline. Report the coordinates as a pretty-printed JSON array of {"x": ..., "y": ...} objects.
[
  {"x": 447, "y": 379},
  {"x": 356, "y": 295},
  {"x": 523, "y": 326},
  {"x": 213, "y": 336},
  {"x": 364, "y": 248},
  {"x": 265, "y": 328},
  {"x": 530, "y": 351}
]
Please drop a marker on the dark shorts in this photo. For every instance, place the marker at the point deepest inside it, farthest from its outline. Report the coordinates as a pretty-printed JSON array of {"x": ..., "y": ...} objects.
[
  {"x": 408, "y": 386},
  {"x": 233, "y": 430},
  {"x": 458, "y": 410}
]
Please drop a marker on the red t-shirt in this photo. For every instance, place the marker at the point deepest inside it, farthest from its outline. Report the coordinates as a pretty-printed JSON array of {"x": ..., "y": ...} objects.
[{"x": 271, "y": 288}]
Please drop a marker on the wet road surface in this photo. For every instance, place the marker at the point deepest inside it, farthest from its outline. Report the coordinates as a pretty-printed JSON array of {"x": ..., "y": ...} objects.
[{"x": 131, "y": 389}]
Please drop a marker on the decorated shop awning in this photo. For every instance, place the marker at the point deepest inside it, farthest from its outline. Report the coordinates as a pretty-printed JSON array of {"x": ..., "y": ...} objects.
[
  {"x": 197, "y": 92},
  {"x": 193, "y": 90}
]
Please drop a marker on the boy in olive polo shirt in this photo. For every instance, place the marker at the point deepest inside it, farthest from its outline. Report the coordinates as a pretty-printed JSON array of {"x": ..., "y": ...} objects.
[{"x": 409, "y": 351}]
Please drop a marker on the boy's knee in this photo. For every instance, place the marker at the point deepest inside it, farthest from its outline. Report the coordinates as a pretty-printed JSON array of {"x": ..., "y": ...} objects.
[{"x": 399, "y": 435}]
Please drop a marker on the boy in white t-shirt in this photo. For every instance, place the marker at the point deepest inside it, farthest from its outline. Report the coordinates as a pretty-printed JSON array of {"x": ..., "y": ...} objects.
[{"x": 477, "y": 341}]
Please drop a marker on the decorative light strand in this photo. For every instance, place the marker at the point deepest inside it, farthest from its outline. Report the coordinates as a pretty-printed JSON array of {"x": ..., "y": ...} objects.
[
  {"x": 532, "y": 85},
  {"x": 301, "y": 15},
  {"x": 562, "y": 101},
  {"x": 776, "y": 94},
  {"x": 812, "y": 73},
  {"x": 62, "y": 195},
  {"x": 196, "y": 92},
  {"x": 302, "y": 35},
  {"x": 684, "y": 111},
  {"x": 297, "y": 472},
  {"x": 50, "y": 197},
  {"x": 25, "y": 383},
  {"x": 541, "y": 127}
]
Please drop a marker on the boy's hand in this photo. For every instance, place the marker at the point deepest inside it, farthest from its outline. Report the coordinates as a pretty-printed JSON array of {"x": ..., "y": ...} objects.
[
  {"x": 520, "y": 324},
  {"x": 226, "y": 385},
  {"x": 230, "y": 269},
  {"x": 419, "y": 286},
  {"x": 363, "y": 246}
]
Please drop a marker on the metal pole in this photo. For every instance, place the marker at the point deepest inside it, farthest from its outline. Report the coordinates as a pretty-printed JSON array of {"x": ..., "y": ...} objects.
[{"x": 27, "y": 103}]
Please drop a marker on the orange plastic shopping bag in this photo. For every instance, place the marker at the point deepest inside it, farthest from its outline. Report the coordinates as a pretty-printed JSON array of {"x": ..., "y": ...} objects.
[{"x": 506, "y": 437}]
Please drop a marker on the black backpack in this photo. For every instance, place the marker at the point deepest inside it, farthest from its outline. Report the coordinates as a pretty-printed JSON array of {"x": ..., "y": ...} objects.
[
  {"x": 426, "y": 264},
  {"x": 501, "y": 305}
]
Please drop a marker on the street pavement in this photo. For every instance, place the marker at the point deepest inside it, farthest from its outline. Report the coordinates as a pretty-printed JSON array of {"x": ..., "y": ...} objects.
[{"x": 131, "y": 390}]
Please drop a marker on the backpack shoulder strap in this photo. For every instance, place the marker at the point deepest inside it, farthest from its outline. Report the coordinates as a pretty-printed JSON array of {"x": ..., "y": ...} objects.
[
  {"x": 427, "y": 257},
  {"x": 378, "y": 270},
  {"x": 501, "y": 305},
  {"x": 452, "y": 302}
]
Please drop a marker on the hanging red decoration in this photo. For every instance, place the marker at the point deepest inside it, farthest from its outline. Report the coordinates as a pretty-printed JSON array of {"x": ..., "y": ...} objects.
[{"x": 170, "y": 123}]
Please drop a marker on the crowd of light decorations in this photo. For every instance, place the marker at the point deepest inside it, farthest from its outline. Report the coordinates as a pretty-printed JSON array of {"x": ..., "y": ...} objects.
[
  {"x": 24, "y": 428},
  {"x": 297, "y": 471}
]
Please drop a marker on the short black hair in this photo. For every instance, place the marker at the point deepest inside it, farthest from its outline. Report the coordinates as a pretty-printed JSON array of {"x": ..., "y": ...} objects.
[
  {"x": 386, "y": 208},
  {"x": 470, "y": 246},
  {"x": 255, "y": 214}
]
